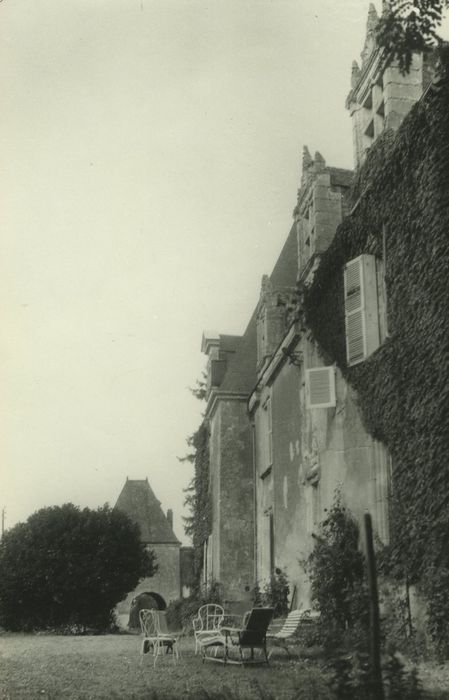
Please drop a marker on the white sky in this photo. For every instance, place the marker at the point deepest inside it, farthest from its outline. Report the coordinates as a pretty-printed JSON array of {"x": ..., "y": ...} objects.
[{"x": 150, "y": 159}]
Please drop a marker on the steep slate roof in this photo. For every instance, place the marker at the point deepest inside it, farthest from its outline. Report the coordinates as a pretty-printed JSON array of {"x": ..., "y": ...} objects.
[
  {"x": 241, "y": 375},
  {"x": 286, "y": 268},
  {"x": 241, "y": 366},
  {"x": 138, "y": 501}
]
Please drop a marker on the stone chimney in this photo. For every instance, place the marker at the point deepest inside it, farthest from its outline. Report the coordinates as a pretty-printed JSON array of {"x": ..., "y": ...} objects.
[{"x": 170, "y": 517}]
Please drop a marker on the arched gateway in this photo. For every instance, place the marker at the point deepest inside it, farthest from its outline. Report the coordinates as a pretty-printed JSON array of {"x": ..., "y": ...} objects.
[{"x": 138, "y": 501}]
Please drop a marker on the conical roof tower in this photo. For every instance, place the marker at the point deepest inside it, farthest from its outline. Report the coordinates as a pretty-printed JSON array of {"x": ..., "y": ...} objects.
[{"x": 138, "y": 501}]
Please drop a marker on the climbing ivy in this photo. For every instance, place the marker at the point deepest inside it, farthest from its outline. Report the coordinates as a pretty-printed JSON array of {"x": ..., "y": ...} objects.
[
  {"x": 198, "y": 524},
  {"x": 403, "y": 388}
]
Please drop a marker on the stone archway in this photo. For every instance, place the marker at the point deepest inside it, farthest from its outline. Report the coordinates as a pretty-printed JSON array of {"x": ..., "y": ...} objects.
[
  {"x": 146, "y": 599},
  {"x": 160, "y": 602}
]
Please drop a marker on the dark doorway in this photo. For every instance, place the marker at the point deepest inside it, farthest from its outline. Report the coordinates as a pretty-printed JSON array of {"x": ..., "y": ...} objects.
[
  {"x": 160, "y": 602},
  {"x": 146, "y": 600}
]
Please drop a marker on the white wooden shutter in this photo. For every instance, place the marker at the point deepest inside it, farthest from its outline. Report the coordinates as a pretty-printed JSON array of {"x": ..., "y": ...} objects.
[
  {"x": 320, "y": 386},
  {"x": 361, "y": 308}
]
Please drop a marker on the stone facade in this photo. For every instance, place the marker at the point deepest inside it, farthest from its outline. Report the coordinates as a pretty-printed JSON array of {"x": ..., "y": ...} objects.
[
  {"x": 229, "y": 551},
  {"x": 165, "y": 585},
  {"x": 286, "y": 431},
  {"x": 381, "y": 96}
]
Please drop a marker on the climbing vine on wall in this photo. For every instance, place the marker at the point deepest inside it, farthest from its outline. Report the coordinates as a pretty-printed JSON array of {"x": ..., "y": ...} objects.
[
  {"x": 402, "y": 193},
  {"x": 198, "y": 524}
]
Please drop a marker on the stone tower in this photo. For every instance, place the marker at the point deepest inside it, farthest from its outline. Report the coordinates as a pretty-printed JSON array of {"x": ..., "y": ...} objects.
[
  {"x": 381, "y": 95},
  {"x": 138, "y": 501}
]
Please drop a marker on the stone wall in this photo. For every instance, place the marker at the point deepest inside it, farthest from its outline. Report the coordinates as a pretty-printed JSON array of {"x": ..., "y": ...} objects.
[
  {"x": 165, "y": 582},
  {"x": 231, "y": 545}
]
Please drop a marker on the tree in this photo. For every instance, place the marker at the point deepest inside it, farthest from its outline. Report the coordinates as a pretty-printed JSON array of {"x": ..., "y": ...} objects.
[
  {"x": 407, "y": 26},
  {"x": 197, "y": 525},
  {"x": 66, "y": 567}
]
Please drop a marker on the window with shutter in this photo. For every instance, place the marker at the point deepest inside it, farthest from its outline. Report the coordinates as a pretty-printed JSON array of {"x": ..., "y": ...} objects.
[
  {"x": 361, "y": 308},
  {"x": 320, "y": 386}
]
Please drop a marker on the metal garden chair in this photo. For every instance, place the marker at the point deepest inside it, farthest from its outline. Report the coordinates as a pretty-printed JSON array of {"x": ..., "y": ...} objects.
[
  {"x": 251, "y": 636},
  {"x": 153, "y": 639},
  {"x": 206, "y": 624}
]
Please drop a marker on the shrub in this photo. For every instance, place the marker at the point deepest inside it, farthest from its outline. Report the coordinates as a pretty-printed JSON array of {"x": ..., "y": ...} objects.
[
  {"x": 435, "y": 585},
  {"x": 180, "y": 612},
  {"x": 273, "y": 593},
  {"x": 337, "y": 572},
  {"x": 66, "y": 568},
  {"x": 351, "y": 679}
]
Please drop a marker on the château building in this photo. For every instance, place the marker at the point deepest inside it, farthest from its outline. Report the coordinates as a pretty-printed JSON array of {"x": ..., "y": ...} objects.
[{"x": 288, "y": 428}]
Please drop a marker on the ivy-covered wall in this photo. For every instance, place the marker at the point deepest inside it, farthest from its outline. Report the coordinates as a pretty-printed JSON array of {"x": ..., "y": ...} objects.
[
  {"x": 403, "y": 389},
  {"x": 198, "y": 523}
]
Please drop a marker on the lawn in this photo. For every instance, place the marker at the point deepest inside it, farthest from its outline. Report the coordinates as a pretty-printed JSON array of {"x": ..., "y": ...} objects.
[
  {"x": 56, "y": 667},
  {"x": 108, "y": 667}
]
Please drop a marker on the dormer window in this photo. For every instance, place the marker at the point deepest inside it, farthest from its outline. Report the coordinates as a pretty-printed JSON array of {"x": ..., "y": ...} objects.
[{"x": 273, "y": 312}]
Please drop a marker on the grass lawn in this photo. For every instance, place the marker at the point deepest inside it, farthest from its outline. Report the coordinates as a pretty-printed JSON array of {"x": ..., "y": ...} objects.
[
  {"x": 50, "y": 666},
  {"x": 108, "y": 667}
]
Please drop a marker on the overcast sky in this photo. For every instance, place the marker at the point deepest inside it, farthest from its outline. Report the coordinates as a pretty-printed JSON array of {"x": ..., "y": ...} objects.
[{"x": 150, "y": 160}]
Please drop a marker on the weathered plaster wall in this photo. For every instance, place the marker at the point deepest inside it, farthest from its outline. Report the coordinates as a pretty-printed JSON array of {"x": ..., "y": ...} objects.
[
  {"x": 315, "y": 452},
  {"x": 264, "y": 489},
  {"x": 290, "y": 514},
  {"x": 348, "y": 457},
  {"x": 233, "y": 500}
]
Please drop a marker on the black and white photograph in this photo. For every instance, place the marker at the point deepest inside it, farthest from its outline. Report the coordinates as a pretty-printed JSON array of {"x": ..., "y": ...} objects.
[{"x": 224, "y": 350}]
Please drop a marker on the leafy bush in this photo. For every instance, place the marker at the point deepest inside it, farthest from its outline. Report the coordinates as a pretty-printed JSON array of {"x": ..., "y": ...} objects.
[
  {"x": 273, "y": 593},
  {"x": 336, "y": 569},
  {"x": 401, "y": 684},
  {"x": 352, "y": 679},
  {"x": 180, "y": 612},
  {"x": 435, "y": 586},
  {"x": 66, "y": 568}
]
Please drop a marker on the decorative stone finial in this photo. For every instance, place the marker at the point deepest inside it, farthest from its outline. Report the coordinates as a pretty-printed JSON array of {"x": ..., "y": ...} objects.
[
  {"x": 306, "y": 158},
  {"x": 319, "y": 160},
  {"x": 373, "y": 18},
  {"x": 355, "y": 74},
  {"x": 370, "y": 40},
  {"x": 265, "y": 284}
]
